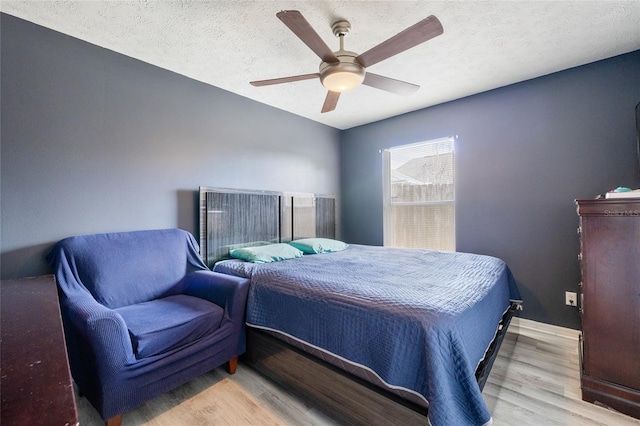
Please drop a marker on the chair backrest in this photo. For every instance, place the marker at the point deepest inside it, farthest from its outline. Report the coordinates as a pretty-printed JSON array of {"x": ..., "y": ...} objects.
[{"x": 120, "y": 269}]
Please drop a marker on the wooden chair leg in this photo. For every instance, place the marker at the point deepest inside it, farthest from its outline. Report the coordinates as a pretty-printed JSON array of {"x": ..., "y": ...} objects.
[
  {"x": 114, "y": 421},
  {"x": 233, "y": 364}
]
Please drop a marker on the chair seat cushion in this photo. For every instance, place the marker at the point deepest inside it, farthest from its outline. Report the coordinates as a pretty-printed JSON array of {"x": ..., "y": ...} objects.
[{"x": 163, "y": 324}]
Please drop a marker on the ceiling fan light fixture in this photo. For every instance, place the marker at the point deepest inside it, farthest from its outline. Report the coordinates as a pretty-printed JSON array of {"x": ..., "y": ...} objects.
[
  {"x": 347, "y": 74},
  {"x": 342, "y": 81}
]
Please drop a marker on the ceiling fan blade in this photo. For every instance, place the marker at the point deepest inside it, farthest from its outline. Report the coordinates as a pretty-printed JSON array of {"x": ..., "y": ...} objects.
[
  {"x": 389, "y": 84},
  {"x": 284, "y": 79},
  {"x": 300, "y": 27},
  {"x": 330, "y": 101},
  {"x": 424, "y": 30}
]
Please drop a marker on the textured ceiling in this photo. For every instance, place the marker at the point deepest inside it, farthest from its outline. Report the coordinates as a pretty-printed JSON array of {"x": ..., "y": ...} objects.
[{"x": 485, "y": 45}]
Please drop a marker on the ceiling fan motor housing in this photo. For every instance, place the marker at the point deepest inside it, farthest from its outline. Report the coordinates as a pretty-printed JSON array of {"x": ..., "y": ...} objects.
[{"x": 344, "y": 75}]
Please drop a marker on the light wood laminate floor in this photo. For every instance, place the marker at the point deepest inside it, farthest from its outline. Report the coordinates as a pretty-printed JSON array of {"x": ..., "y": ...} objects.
[{"x": 534, "y": 381}]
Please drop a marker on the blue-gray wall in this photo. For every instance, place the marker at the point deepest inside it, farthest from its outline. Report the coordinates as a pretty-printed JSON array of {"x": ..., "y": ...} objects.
[
  {"x": 523, "y": 154},
  {"x": 94, "y": 141}
]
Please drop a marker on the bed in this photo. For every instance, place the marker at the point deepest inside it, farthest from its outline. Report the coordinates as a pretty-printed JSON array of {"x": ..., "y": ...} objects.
[{"x": 423, "y": 326}]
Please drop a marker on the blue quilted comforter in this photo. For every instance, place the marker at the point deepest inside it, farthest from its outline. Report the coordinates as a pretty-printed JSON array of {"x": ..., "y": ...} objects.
[{"x": 422, "y": 320}]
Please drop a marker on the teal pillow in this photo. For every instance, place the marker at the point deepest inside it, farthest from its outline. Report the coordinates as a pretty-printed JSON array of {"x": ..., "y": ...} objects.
[
  {"x": 318, "y": 245},
  {"x": 266, "y": 254}
]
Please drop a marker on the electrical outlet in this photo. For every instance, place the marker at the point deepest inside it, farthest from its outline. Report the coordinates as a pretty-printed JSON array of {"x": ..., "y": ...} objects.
[{"x": 571, "y": 298}]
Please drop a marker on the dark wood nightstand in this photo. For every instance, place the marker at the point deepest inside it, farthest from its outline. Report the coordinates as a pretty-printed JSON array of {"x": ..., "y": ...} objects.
[{"x": 35, "y": 377}]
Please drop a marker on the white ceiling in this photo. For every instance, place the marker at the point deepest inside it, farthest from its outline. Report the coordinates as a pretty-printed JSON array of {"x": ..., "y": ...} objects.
[{"x": 485, "y": 45}]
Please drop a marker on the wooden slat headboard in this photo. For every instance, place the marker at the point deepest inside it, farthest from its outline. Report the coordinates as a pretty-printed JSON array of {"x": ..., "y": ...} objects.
[{"x": 231, "y": 218}]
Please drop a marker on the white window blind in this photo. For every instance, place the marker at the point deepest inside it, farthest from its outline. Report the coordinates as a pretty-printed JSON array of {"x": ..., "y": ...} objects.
[{"x": 419, "y": 195}]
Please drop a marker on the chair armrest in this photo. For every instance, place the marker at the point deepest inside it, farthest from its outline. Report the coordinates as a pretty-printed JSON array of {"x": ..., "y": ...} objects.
[
  {"x": 102, "y": 329},
  {"x": 227, "y": 291}
]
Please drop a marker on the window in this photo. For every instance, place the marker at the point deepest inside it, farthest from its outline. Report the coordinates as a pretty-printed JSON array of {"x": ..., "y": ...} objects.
[{"x": 419, "y": 196}]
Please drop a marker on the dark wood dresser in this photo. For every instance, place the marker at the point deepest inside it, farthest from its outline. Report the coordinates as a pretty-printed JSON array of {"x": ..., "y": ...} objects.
[
  {"x": 36, "y": 382},
  {"x": 610, "y": 308}
]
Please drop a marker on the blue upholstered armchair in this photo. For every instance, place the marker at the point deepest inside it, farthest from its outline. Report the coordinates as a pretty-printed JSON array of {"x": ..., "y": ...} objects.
[{"x": 143, "y": 315}]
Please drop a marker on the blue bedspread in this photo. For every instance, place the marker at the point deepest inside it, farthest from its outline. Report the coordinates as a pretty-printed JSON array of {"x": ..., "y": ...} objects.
[{"x": 422, "y": 320}]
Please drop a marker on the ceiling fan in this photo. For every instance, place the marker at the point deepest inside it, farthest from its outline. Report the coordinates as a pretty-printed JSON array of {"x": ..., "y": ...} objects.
[{"x": 343, "y": 70}]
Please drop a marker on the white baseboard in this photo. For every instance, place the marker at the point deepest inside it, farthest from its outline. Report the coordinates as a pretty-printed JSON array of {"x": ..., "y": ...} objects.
[{"x": 541, "y": 327}]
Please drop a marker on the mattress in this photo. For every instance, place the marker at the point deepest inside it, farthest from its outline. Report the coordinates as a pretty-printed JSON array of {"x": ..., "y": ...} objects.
[{"x": 420, "y": 320}]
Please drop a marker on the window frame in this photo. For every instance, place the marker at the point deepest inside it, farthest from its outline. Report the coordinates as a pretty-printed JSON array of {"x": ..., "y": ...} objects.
[{"x": 388, "y": 203}]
